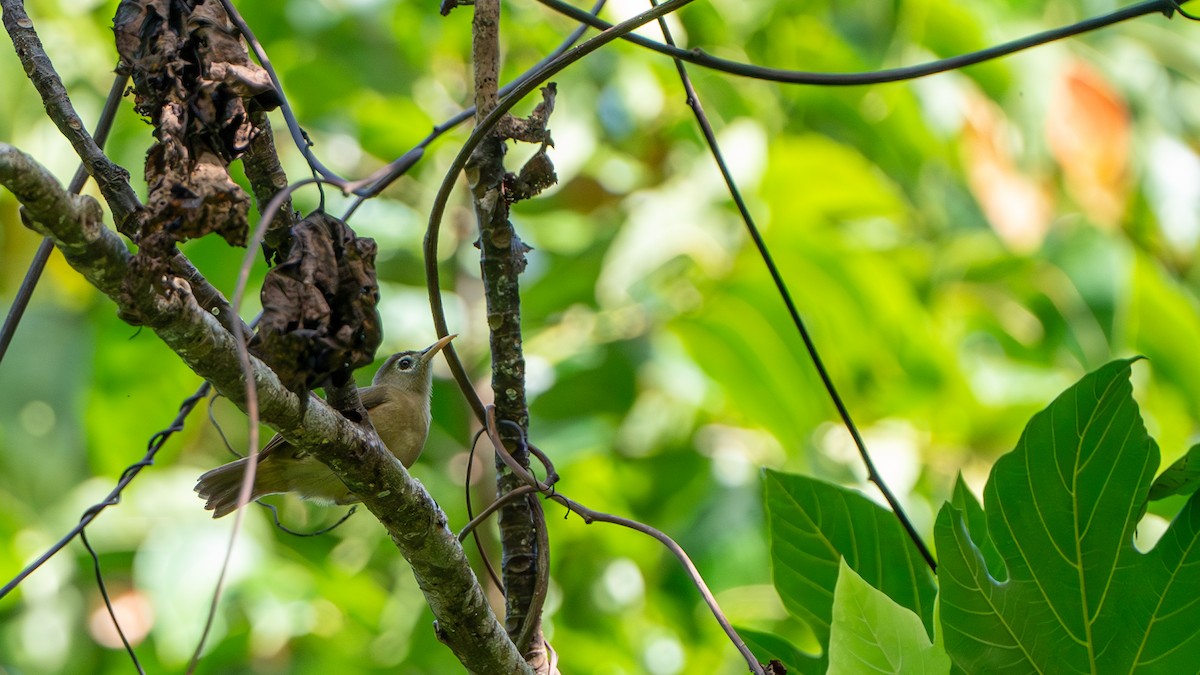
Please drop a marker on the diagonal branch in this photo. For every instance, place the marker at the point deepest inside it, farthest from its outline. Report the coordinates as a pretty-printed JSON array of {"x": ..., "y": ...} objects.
[
  {"x": 112, "y": 179},
  {"x": 413, "y": 520}
]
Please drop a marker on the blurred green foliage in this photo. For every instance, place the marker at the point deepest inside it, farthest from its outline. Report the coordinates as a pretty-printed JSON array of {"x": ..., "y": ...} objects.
[{"x": 663, "y": 369}]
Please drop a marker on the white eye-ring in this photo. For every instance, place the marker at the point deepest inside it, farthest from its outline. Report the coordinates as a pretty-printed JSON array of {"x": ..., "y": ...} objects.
[{"x": 405, "y": 363}]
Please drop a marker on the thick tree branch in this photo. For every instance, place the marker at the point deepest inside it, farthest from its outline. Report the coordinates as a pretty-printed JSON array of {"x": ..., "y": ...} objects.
[
  {"x": 485, "y": 55},
  {"x": 112, "y": 179},
  {"x": 413, "y": 520},
  {"x": 502, "y": 259}
]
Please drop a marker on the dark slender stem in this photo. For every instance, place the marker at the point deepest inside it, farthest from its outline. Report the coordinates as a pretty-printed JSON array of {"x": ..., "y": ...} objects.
[
  {"x": 589, "y": 516},
  {"x": 112, "y": 614},
  {"x": 533, "y": 614},
  {"x": 487, "y": 562},
  {"x": 496, "y": 505},
  {"x": 438, "y": 210},
  {"x": 293, "y": 125},
  {"x": 710, "y": 138},
  {"x": 34, "y": 273},
  {"x": 266, "y": 217},
  {"x": 700, "y": 58},
  {"x": 114, "y": 497},
  {"x": 17, "y": 310}
]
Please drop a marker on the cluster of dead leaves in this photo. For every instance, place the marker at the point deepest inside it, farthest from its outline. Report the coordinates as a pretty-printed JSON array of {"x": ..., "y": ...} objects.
[
  {"x": 320, "y": 319},
  {"x": 194, "y": 81},
  {"x": 538, "y": 173}
]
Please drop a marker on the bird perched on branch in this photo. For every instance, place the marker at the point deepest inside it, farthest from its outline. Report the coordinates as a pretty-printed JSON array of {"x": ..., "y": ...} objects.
[{"x": 398, "y": 404}]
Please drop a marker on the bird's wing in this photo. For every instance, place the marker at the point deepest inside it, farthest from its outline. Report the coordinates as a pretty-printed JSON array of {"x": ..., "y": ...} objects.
[
  {"x": 278, "y": 445},
  {"x": 373, "y": 396}
]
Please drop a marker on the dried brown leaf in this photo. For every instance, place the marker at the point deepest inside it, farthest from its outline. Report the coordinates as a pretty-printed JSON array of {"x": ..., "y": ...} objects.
[{"x": 320, "y": 317}]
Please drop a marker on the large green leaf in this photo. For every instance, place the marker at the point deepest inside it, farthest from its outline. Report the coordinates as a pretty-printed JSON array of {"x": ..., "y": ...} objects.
[
  {"x": 1061, "y": 511},
  {"x": 814, "y": 525},
  {"x": 872, "y": 634}
]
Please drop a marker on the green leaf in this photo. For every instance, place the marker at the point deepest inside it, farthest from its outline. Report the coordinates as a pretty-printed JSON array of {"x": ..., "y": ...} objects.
[
  {"x": 1181, "y": 478},
  {"x": 767, "y": 646},
  {"x": 964, "y": 500},
  {"x": 1061, "y": 509},
  {"x": 871, "y": 633},
  {"x": 813, "y": 525}
]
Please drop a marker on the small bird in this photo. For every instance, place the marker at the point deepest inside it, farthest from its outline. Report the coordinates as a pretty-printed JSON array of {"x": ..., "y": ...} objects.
[{"x": 398, "y": 404}]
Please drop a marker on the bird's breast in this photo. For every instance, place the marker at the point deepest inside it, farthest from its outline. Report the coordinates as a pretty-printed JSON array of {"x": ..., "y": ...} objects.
[{"x": 403, "y": 427}]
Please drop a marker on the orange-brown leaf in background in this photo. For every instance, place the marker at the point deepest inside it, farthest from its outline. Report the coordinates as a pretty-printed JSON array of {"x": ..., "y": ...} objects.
[
  {"x": 1088, "y": 131},
  {"x": 1016, "y": 205}
]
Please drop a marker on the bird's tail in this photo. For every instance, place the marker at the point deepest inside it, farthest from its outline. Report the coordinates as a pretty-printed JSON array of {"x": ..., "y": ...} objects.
[{"x": 220, "y": 486}]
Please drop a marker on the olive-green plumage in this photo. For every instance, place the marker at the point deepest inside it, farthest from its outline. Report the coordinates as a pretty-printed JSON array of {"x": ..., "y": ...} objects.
[{"x": 398, "y": 404}]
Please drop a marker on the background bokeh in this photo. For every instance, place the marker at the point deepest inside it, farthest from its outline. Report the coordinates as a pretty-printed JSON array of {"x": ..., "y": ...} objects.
[{"x": 963, "y": 247}]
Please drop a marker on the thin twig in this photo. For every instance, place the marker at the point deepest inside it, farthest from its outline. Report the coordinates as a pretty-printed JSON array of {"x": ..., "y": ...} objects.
[
  {"x": 542, "y": 588},
  {"x": 34, "y": 273},
  {"x": 366, "y": 187},
  {"x": 24, "y": 293},
  {"x": 495, "y": 506},
  {"x": 589, "y": 516},
  {"x": 298, "y": 136},
  {"x": 700, "y": 58},
  {"x": 266, "y": 216},
  {"x": 487, "y": 562},
  {"x": 533, "y": 614},
  {"x": 438, "y": 209},
  {"x": 108, "y": 602},
  {"x": 710, "y": 138},
  {"x": 114, "y": 497}
]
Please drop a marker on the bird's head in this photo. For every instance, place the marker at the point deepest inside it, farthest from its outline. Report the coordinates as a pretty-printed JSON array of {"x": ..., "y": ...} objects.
[{"x": 411, "y": 370}]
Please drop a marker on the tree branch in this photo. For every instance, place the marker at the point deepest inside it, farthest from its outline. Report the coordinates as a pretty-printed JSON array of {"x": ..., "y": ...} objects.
[
  {"x": 112, "y": 179},
  {"x": 501, "y": 261},
  {"x": 413, "y": 520}
]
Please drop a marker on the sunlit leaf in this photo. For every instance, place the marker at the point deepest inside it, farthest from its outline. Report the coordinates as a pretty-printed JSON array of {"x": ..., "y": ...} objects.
[
  {"x": 814, "y": 525},
  {"x": 873, "y": 634},
  {"x": 1061, "y": 510}
]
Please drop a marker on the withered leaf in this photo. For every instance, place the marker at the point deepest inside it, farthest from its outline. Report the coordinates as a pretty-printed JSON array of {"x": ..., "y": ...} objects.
[
  {"x": 537, "y": 175},
  {"x": 192, "y": 77},
  {"x": 320, "y": 306},
  {"x": 535, "y": 128}
]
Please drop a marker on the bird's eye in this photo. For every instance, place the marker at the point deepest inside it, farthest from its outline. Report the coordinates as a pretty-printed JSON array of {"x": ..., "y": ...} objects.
[{"x": 405, "y": 363}]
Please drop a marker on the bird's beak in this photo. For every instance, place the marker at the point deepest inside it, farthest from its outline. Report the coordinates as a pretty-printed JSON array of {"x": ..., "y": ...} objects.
[{"x": 436, "y": 347}]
